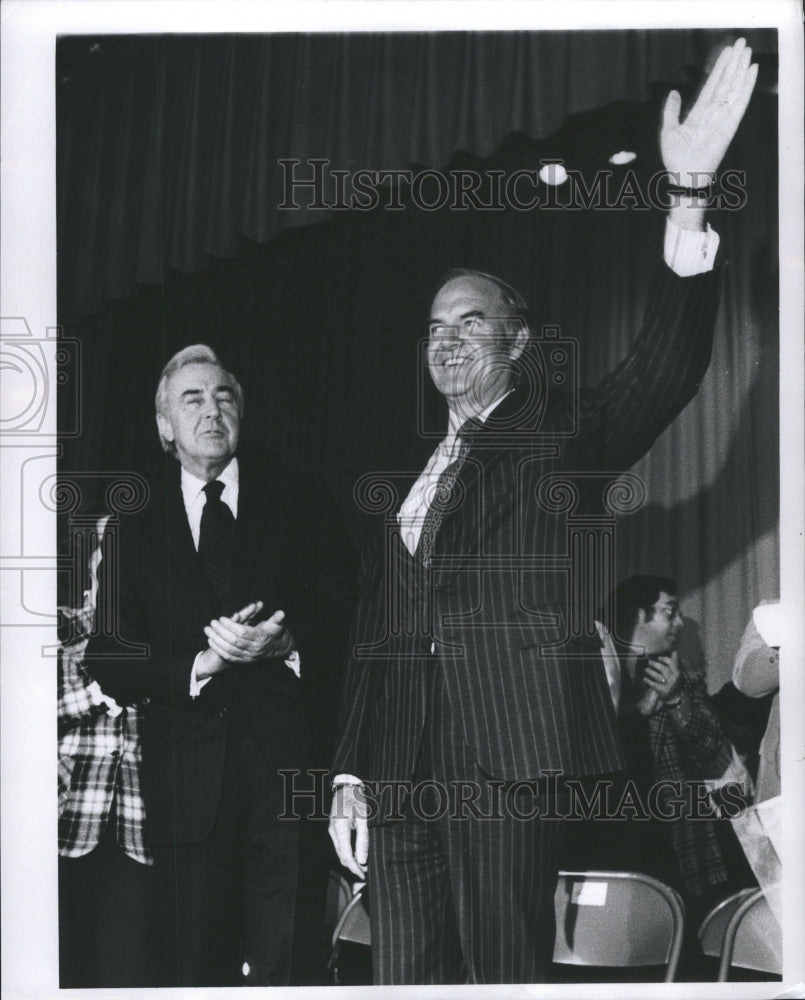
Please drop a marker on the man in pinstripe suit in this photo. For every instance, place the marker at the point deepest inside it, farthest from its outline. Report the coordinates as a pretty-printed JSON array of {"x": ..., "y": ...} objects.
[{"x": 467, "y": 687}]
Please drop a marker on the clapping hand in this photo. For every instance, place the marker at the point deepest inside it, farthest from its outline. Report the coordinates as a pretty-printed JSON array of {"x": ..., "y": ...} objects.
[
  {"x": 692, "y": 150},
  {"x": 235, "y": 641}
]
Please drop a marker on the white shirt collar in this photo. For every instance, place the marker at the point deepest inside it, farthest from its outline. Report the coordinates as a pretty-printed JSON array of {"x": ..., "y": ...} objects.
[
  {"x": 192, "y": 486},
  {"x": 455, "y": 421}
]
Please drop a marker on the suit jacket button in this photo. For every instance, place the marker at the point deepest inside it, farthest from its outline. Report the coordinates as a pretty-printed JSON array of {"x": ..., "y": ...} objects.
[{"x": 223, "y": 713}]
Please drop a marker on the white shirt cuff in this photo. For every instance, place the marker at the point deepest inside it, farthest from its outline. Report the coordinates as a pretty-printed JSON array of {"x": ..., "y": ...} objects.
[
  {"x": 294, "y": 661},
  {"x": 196, "y": 685},
  {"x": 99, "y": 698},
  {"x": 346, "y": 779},
  {"x": 689, "y": 251}
]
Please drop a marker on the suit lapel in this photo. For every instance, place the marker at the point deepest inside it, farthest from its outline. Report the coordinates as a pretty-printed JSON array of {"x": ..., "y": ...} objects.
[
  {"x": 247, "y": 540},
  {"x": 511, "y": 428},
  {"x": 257, "y": 536},
  {"x": 486, "y": 445}
]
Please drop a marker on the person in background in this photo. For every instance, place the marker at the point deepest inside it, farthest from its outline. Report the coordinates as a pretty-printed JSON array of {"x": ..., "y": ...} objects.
[
  {"x": 756, "y": 673},
  {"x": 676, "y": 751},
  {"x": 105, "y": 874},
  {"x": 743, "y": 720}
]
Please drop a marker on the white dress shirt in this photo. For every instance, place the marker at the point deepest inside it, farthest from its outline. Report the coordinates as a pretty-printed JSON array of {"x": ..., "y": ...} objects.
[
  {"x": 414, "y": 509},
  {"x": 194, "y": 496}
]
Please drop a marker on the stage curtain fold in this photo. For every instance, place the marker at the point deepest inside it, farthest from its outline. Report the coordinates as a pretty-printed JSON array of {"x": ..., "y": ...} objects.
[{"x": 169, "y": 146}]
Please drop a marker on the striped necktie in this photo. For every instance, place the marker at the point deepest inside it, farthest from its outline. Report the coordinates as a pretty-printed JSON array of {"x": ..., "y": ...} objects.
[
  {"x": 445, "y": 484},
  {"x": 215, "y": 541}
]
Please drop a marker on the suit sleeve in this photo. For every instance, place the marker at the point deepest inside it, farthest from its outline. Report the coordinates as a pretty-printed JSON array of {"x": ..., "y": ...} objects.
[
  {"x": 623, "y": 416},
  {"x": 357, "y": 690},
  {"x": 75, "y": 704},
  {"x": 697, "y": 727},
  {"x": 322, "y": 639}
]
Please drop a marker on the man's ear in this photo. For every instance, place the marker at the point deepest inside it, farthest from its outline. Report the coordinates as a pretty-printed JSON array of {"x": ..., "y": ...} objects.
[
  {"x": 520, "y": 340},
  {"x": 641, "y": 616},
  {"x": 165, "y": 427}
]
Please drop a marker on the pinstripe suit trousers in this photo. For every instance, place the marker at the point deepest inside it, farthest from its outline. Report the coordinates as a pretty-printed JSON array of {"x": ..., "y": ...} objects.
[{"x": 461, "y": 889}]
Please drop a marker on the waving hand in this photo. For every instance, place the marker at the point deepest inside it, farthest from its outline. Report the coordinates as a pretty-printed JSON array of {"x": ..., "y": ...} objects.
[{"x": 692, "y": 150}]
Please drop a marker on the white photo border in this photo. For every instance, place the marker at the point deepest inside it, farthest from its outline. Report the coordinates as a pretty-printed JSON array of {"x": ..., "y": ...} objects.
[{"x": 28, "y": 540}]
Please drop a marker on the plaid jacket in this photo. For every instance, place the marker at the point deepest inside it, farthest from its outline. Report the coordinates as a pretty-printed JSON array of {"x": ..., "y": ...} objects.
[
  {"x": 99, "y": 765},
  {"x": 687, "y": 743}
]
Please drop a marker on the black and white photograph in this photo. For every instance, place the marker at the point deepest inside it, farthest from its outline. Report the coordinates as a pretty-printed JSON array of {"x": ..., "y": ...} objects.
[{"x": 402, "y": 498}]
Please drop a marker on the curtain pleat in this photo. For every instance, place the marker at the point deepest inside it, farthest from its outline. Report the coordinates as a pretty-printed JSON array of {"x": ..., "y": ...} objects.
[{"x": 170, "y": 144}]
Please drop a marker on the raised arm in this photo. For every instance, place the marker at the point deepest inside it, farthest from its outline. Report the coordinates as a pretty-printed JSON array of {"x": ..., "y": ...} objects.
[{"x": 662, "y": 372}]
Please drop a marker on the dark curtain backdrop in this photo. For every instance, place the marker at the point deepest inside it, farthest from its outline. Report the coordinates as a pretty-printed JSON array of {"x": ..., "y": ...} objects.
[
  {"x": 169, "y": 234},
  {"x": 168, "y": 146}
]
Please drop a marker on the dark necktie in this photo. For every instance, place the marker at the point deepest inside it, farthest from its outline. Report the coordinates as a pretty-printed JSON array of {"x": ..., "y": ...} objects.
[
  {"x": 442, "y": 493},
  {"x": 216, "y": 535}
]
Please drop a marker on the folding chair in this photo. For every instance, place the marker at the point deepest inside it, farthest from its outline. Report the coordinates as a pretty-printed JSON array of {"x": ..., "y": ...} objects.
[
  {"x": 753, "y": 939},
  {"x": 617, "y": 920},
  {"x": 339, "y": 893},
  {"x": 352, "y": 927},
  {"x": 714, "y": 926}
]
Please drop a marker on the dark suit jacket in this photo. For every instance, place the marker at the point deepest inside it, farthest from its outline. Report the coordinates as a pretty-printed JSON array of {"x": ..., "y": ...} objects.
[
  {"x": 291, "y": 552},
  {"x": 498, "y": 605}
]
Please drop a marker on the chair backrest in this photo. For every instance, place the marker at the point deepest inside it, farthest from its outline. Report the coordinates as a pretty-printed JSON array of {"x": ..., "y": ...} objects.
[
  {"x": 617, "y": 920},
  {"x": 714, "y": 925},
  {"x": 753, "y": 939},
  {"x": 339, "y": 894},
  {"x": 353, "y": 924},
  {"x": 352, "y": 928}
]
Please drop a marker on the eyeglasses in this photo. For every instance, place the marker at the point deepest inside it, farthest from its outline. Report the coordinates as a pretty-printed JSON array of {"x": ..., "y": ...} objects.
[
  {"x": 670, "y": 611},
  {"x": 469, "y": 326}
]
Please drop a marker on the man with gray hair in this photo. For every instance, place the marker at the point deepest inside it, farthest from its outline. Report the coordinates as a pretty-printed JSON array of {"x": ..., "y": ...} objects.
[{"x": 226, "y": 614}]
